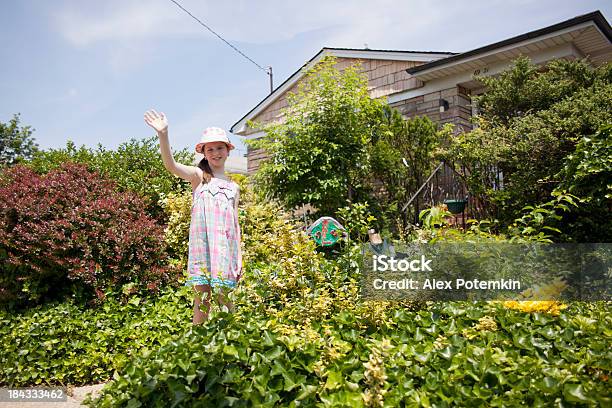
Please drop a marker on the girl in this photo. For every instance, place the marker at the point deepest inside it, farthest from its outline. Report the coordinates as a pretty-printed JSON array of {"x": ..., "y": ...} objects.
[{"x": 214, "y": 234}]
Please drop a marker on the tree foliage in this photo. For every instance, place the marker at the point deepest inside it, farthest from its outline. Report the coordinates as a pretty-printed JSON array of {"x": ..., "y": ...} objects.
[
  {"x": 526, "y": 88},
  {"x": 403, "y": 156},
  {"x": 319, "y": 154},
  {"x": 16, "y": 142},
  {"x": 531, "y": 123}
]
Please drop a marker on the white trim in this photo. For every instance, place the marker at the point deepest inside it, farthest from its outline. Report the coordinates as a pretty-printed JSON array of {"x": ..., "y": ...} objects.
[
  {"x": 391, "y": 55},
  {"x": 362, "y": 54},
  {"x": 438, "y": 84},
  {"x": 255, "y": 135},
  {"x": 523, "y": 43}
]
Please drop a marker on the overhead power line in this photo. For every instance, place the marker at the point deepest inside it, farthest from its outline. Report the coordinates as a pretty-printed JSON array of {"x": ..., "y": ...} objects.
[{"x": 267, "y": 71}]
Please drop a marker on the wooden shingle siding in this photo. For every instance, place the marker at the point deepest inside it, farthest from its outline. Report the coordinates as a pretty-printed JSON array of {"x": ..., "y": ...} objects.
[
  {"x": 385, "y": 77},
  {"x": 254, "y": 157},
  {"x": 459, "y": 110}
]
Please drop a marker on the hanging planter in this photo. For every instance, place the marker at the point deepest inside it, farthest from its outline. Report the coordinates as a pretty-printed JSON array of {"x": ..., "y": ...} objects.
[{"x": 456, "y": 206}]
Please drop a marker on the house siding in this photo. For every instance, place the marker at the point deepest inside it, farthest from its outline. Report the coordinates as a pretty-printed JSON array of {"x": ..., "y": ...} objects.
[
  {"x": 459, "y": 110},
  {"x": 254, "y": 158},
  {"x": 385, "y": 78}
]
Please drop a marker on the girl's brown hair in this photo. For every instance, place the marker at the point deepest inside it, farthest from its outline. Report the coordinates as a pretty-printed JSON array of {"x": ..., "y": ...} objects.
[{"x": 206, "y": 170}]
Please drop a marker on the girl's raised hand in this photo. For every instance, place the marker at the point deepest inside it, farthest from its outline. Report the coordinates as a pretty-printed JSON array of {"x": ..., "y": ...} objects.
[{"x": 157, "y": 121}]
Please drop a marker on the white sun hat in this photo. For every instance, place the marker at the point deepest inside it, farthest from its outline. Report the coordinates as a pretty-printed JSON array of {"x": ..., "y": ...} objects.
[{"x": 213, "y": 134}]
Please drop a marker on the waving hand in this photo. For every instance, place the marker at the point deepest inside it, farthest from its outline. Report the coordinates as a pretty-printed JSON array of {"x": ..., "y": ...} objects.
[{"x": 157, "y": 121}]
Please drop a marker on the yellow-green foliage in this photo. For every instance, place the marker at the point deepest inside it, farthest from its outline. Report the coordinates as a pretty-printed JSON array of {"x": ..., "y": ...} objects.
[
  {"x": 375, "y": 376},
  {"x": 178, "y": 208},
  {"x": 261, "y": 220},
  {"x": 292, "y": 271},
  {"x": 286, "y": 278}
]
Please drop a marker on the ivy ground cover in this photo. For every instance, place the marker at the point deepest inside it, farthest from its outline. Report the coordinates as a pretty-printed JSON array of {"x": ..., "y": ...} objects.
[{"x": 447, "y": 354}]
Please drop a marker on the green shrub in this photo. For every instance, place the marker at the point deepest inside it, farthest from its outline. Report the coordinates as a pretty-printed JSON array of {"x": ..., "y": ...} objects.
[
  {"x": 532, "y": 137},
  {"x": 357, "y": 220},
  {"x": 454, "y": 354},
  {"x": 587, "y": 173},
  {"x": 178, "y": 209},
  {"x": 70, "y": 343}
]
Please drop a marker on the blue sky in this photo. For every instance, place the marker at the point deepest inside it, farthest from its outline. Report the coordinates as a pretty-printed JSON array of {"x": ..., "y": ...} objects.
[{"x": 86, "y": 70}]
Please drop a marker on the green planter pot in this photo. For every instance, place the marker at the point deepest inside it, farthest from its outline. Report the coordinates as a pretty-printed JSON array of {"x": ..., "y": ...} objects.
[{"x": 455, "y": 206}]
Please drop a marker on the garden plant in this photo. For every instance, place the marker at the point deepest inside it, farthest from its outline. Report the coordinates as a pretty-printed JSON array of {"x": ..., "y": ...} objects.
[{"x": 93, "y": 252}]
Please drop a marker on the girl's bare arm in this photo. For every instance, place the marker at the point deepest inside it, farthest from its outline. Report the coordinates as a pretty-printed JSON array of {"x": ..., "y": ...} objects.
[{"x": 159, "y": 122}]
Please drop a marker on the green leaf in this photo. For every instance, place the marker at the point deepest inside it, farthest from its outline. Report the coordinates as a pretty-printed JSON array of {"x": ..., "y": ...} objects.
[
  {"x": 334, "y": 380},
  {"x": 230, "y": 350},
  {"x": 307, "y": 391},
  {"x": 447, "y": 353},
  {"x": 549, "y": 385},
  {"x": 575, "y": 393}
]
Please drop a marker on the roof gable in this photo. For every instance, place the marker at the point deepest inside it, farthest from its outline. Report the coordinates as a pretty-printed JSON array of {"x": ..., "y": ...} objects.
[
  {"x": 393, "y": 55},
  {"x": 592, "y": 27}
]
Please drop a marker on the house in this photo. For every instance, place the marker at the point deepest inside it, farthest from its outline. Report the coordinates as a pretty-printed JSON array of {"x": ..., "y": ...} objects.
[{"x": 440, "y": 84}]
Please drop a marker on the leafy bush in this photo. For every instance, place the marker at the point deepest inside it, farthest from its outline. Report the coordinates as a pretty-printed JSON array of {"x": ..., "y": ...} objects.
[
  {"x": 357, "y": 220},
  {"x": 178, "y": 209},
  {"x": 260, "y": 222},
  {"x": 531, "y": 124},
  {"x": 135, "y": 166},
  {"x": 319, "y": 154},
  {"x": 288, "y": 277},
  {"x": 403, "y": 156},
  {"x": 69, "y": 343},
  {"x": 71, "y": 226},
  {"x": 538, "y": 222},
  {"x": 587, "y": 173},
  {"x": 435, "y": 217},
  {"x": 587, "y": 170},
  {"x": 461, "y": 354}
]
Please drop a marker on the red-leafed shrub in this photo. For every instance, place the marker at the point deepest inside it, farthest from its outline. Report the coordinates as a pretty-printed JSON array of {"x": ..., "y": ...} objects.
[{"x": 71, "y": 230}]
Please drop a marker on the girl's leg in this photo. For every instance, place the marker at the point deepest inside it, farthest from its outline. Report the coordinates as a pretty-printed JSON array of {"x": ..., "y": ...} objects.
[{"x": 201, "y": 301}]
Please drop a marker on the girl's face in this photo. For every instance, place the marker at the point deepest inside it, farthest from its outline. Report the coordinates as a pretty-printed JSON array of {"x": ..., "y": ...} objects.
[{"x": 216, "y": 153}]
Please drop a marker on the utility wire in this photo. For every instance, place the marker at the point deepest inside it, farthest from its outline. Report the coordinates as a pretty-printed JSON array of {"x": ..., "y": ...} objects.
[{"x": 221, "y": 38}]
